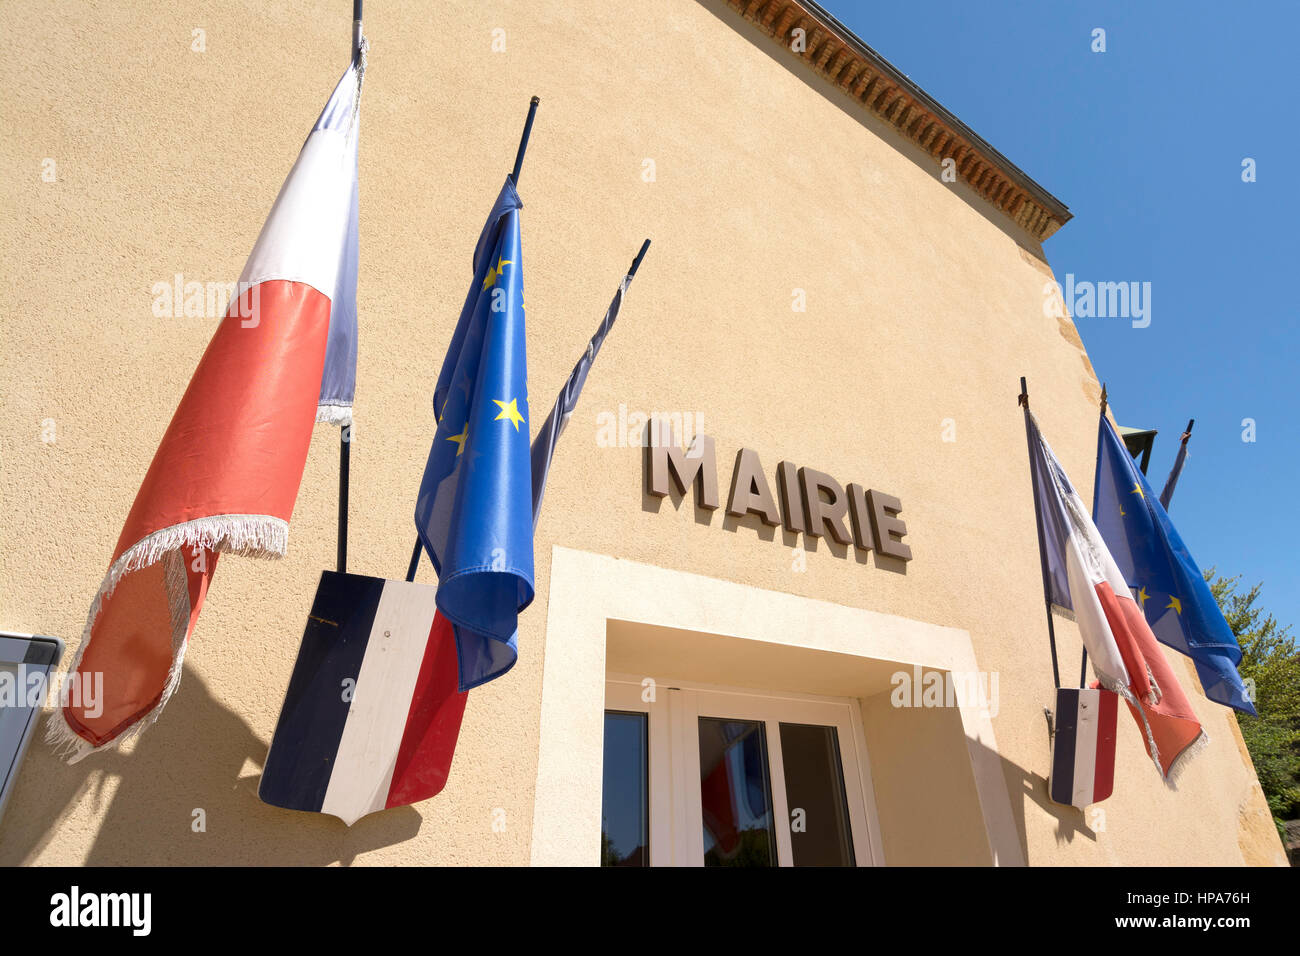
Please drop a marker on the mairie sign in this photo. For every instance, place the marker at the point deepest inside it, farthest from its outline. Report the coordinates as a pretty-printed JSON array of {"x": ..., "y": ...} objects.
[{"x": 811, "y": 501}]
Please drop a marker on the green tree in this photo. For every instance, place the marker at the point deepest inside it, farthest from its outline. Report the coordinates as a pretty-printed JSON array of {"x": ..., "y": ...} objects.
[{"x": 1270, "y": 659}]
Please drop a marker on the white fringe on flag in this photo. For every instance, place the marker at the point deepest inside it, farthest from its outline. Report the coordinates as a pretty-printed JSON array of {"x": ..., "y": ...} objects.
[
  {"x": 1064, "y": 612},
  {"x": 340, "y": 415},
  {"x": 1180, "y": 763},
  {"x": 1183, "y": 759},
  {"x": 258, "y": 536}
]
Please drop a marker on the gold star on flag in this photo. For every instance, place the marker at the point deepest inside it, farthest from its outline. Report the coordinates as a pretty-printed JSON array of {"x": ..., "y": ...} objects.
[
  {"x": 494, "y": 272},
  {"x": 509, "y": 412},
  {"x": 460, "y": 439},
  {"x": 1176, "y": 604},
  {"x": 1142, "y": 596},
  {"x": 1137, "y": 490}
]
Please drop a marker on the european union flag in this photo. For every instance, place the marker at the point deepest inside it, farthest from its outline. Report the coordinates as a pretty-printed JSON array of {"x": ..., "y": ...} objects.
[
  {"x": 1169, "y": 586},
  {"x": 474, "y": 513}
]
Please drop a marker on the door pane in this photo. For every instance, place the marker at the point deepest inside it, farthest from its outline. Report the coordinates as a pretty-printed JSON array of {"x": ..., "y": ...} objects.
[
  {"x": 625, "y": 807},
  {"x": 735, "y": 794},
  {"x": 814, "y": 784}
]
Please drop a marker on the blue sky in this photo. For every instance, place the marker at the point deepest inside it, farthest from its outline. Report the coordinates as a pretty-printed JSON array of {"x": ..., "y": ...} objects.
[{"x": 1144, "y": 143}]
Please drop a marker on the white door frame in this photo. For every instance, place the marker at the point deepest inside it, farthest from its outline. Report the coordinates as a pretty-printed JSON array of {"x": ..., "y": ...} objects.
[{"x": 588, "y": 590}]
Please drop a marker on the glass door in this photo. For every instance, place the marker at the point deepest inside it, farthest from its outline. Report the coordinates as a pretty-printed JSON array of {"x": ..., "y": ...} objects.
[
  {"x": 625, "y": 813},
  {"x": 723, "y": 777}
]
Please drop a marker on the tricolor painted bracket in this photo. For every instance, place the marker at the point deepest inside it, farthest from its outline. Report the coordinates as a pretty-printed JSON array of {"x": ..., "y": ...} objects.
[
  {"x": 372, "y": 712},
  {"x": 1083, "y": 746}
]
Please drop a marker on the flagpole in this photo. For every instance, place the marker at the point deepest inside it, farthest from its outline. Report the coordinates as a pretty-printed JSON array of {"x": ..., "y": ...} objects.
[
  {"x": 1083, "y": 664},
  {"x": 523, "y": 140},
  {"x": 345, "y": 467},
  {"x": 514, "y": 178},
  {"x": 415, "y": 559},
  {"x": 1038, "y": 523},
  {"x": 345, "y": 431},
  {"x": 636, "y": 264},
  {"x": 356, "y": 30}
]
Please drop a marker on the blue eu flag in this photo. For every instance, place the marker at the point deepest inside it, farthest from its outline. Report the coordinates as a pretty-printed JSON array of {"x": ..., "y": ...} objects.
[
  {"x": 1168, "y": 585},
  {"x": 474, "y": 512}
]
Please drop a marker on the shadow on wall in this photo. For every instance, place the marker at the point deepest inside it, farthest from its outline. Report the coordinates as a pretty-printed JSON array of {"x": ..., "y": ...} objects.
[
  {"x": 924, "y": 770},
  {"x": 191, "y": 759},
  {"x": 1025, "y": 787}
]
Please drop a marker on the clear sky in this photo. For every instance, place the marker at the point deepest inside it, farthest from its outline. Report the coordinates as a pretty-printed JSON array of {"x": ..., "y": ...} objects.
[{"x": 1145, "y": 144}]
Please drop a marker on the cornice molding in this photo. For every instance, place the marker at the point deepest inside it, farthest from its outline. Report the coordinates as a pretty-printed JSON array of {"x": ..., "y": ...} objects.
[{"x": 842, "y": 59}]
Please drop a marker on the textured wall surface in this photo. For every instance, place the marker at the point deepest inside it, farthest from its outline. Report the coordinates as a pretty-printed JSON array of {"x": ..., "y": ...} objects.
[{"x": 923, "y": 304}]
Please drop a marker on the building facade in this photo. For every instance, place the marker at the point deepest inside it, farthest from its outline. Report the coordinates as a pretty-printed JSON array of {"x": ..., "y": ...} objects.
[{"x": 818, "y": 293}]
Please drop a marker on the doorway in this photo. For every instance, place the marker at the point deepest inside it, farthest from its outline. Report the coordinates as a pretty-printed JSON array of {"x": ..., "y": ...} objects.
[{"x": 700, "y": 775}]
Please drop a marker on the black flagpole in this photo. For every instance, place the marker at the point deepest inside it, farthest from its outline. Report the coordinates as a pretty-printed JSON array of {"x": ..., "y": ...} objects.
[
  {"x": 514, "y": 178},
  {"x": 1038, "y": 522},
  {"x": 356, "y": 30},
  {"x": 523, "y": 140},
  {"x": 636, "y": 264},
  {"x": 345, "y": 466},
  {"x": 345, "y": 431},
  {"x": 1083, "y": 666},
  {"x": 415, "y": 560}
]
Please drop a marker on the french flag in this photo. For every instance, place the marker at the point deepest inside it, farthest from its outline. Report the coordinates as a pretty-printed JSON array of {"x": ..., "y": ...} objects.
[
  {"x": 372, "y": 713},
  {"x": 227, "y": 471},
  {"x": 1083, "y": 746},
  {"x": 1126, "y": 658}
]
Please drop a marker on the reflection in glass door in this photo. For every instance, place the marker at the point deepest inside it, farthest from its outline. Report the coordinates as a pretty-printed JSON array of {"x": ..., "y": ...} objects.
[
  {"x": 735, "y": 799},
  {"x": 625, "y": 810},
  {"x": 709, "y": 776}
]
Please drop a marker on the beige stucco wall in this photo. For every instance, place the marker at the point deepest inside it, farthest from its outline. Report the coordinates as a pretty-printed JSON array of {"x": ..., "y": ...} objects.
[
  {"x": 925, "y": 792},
  {"x": 923, "y": 304}
]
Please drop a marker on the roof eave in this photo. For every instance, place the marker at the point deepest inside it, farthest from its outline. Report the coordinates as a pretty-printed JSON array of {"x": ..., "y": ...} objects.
[{"x": 842, "y": 58}]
